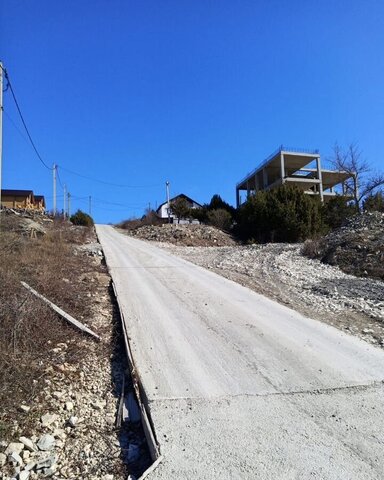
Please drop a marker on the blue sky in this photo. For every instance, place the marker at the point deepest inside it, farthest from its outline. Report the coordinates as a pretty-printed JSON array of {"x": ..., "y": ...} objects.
[{"x": 196, "y": 92}]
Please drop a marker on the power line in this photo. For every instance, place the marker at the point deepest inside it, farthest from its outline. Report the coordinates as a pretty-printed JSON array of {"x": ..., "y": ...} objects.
[
  {"x": 97, "y": 204},
  {"x": 15, "y": 126},
  {"x": 9, "y": 84},
  {"x": 117, "y": 204},
  {"x": 58, "y": 177},
  {"x": 108, "y": 183}
]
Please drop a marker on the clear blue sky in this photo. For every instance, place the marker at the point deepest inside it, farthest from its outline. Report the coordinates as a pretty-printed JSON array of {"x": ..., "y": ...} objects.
[{"x": 196, "y": 92}]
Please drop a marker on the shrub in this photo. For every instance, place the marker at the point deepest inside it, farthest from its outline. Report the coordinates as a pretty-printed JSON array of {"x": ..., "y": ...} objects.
[
  {"x": 285, "y": 214},
  {"x": 82, "y": 218},
  {"x": 149, "y": 218},
  {"x": 374, "y": 203},
  {"x": 199, "y": 214},
  {"x": 220, "y": 218},
  {"x": 217, "y": 203},
  {"x": 336, "y": 211}
]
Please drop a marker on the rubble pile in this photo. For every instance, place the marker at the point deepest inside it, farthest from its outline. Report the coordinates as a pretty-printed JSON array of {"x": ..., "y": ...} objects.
[
  {"x": 185, "y": 235},
  {"x": 358, "y": 247}
]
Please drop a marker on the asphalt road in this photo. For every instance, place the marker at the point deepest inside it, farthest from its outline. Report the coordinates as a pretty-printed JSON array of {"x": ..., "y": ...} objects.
[{"x": 239, "y": 386}]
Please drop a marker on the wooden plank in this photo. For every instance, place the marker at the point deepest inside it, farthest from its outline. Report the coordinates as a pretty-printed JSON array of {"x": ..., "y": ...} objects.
[{"x": 61, "y": 312}]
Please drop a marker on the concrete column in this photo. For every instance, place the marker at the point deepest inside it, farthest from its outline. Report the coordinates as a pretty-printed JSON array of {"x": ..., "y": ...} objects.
[
  {"x": 265, "y": 178},
  {"x": 319, "y": 176},
  {"x": 282, "y": 167},
  {"x": 237, "y": 198}
]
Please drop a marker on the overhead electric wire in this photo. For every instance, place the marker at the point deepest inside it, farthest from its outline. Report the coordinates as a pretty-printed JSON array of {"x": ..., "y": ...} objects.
[
  {"x": 109, "y": 183},
  {"x": 117, "y": 204},
  {"x": 58, "y": 177},
  {"x": 131, "y": 206},
  {"x": 9, "y": 84},
  {"x": 15, "y": 126},
  {"x": 97, "y": 206}
]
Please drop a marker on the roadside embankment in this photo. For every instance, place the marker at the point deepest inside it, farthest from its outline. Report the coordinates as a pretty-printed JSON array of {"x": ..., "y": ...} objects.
[{"x": 60, "y": 389}]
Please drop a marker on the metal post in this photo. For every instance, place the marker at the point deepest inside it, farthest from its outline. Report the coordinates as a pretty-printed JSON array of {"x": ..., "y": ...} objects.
[
  {"x": 54, "y": 189},
  {"x": 1, "y": 124},
  {"x": 168, "y": 205}
]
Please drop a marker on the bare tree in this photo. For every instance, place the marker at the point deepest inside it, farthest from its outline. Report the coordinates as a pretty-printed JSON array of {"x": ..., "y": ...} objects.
[{"x": 362, "y": 182}]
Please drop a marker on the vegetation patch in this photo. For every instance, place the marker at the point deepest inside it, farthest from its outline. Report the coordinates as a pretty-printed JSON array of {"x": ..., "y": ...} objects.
[{"x": 29, "y": 329}]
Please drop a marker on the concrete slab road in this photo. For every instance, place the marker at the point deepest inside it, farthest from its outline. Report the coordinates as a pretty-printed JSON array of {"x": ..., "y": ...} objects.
[{"x": 238, "y": 386}]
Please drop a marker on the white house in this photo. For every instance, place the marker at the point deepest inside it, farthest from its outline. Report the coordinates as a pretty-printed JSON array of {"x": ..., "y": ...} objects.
[{"x": 164, "y": 208}]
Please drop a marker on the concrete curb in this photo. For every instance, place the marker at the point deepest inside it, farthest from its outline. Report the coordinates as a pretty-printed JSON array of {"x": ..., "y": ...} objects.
[{"x": 154, "y": 447}]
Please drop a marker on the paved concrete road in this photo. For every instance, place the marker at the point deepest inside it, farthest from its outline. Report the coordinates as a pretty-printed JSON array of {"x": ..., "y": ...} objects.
[{"x": 240, "y": 387}]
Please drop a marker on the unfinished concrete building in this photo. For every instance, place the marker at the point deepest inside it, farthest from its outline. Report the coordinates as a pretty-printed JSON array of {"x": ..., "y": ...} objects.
[{"x": 298, "y": 167}]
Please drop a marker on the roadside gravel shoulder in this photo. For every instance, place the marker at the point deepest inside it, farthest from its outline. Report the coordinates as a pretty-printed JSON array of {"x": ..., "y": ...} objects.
[{"x": 279, "y": 271}]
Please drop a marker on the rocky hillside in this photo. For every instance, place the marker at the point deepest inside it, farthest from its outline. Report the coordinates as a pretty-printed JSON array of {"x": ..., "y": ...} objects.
[
  {"x": 61, "y": 401},
  {"x": 357, "y": 248},
  {"x": 185, "y": 235}
]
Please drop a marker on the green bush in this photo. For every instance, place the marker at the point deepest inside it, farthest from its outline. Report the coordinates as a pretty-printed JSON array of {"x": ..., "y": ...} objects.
[
  {"x": 285, "y": 214},
  {"x": 217, "y": 203},
  {"x": 82, "y": 218},
  {"x": 374, "y": 203},
  {"x": 336, "y": 211}
]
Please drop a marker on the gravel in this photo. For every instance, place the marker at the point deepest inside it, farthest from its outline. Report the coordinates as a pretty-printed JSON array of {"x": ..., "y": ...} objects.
[
  {"x": 188, "y": 235},
  {"x": 357, "y": 248},
  {"x": 72, "y": 420},
  {"x": 313, "y": 288}
]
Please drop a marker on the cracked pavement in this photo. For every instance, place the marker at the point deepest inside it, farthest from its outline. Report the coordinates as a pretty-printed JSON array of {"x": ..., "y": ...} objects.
[{"x": 239, "y": 386}]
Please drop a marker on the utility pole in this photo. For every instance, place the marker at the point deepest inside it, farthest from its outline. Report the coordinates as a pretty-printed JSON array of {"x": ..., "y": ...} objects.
[
  {"x": 69, "y": 205},
  {"x": 54, "y": 189},
  {"x": 1, "y": 124},
  {"x": 64, "y": 201},
  {"x": 90, "y": 206},
  {"x": 168, "y": 205}
]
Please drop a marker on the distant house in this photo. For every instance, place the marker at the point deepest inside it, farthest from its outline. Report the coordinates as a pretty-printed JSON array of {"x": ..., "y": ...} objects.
[
  {"x": 40, "y": 202},
  {"x": 24, "y": 199},
  {"x": 164, "y": 209}
]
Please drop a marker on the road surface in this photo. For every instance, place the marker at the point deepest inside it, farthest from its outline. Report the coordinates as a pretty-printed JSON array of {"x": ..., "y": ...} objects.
[{"x": 239, "y": 386}]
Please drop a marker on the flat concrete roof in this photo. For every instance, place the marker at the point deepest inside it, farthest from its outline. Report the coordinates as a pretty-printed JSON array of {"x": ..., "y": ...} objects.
[{"x": 298, "y": 158}]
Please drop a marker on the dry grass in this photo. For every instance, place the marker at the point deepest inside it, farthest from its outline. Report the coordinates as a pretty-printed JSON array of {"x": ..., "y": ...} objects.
[{"x": 28, "y": 328}]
